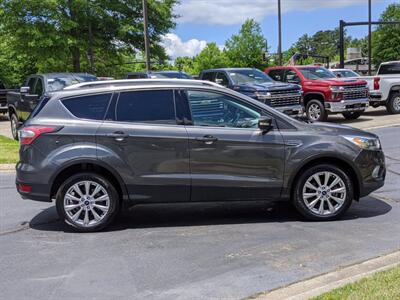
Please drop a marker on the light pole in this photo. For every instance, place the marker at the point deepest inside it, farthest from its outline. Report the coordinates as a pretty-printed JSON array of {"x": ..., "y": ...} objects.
[
  {"x": 279, "y": 33},
  {"x": 146, "y": 36},
  {"x": 369, "y": 38}
]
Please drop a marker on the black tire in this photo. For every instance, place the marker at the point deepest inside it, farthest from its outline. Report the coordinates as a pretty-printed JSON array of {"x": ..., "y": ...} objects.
[
  {"x": 352, "y": 115},
  {"x": 114, "y": 203},
  {"x": 14, "y": 126},
  {"x": 311, "y": 105},
  {"x": 300, "y": 204},
  {"x": 393, "y": 105}
]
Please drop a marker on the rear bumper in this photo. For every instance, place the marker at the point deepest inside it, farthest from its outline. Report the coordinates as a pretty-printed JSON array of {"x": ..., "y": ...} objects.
[
  {"x": 347, "y": 105},
  {"x": 39, "y": 188},
  {"x": 292, "y": 110},
  {"x": 373, "y": 171}
]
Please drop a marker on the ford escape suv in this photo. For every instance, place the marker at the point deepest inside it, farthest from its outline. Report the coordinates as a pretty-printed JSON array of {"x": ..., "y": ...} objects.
[{"x": 100, "y": 147}]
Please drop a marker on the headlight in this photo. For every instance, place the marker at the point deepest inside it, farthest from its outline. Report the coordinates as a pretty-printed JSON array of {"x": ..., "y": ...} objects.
[
  {"x": 263, "y": 95},
  {"x": 337, "y": 89},
  {"x": 365, "y": 142}
]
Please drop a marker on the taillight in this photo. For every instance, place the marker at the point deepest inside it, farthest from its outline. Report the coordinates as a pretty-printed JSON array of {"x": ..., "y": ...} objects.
[
  {"x": 376, "y": 83},
  {"x": 28, "y": 134}
]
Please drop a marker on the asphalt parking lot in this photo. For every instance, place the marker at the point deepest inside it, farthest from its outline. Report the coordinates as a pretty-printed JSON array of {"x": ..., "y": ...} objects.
[{"x": 208, "y": 251}]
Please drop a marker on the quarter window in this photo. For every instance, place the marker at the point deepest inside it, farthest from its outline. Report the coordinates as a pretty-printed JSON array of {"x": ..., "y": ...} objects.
[
  {"x": 88, "y": 107},
  {"x": 146, "y": 107},
  {"x": 218, "y": 110}
]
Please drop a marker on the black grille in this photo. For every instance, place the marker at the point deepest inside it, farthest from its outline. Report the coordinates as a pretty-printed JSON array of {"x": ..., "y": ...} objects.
[{"x": 285, "y": 98}]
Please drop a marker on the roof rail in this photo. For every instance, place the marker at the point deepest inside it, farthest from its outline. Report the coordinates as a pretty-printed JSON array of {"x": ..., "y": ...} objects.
[{"x": 126, "y": 82}]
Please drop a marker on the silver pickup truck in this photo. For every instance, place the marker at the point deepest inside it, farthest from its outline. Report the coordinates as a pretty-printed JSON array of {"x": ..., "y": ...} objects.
[{"x": 384, "y": 87}]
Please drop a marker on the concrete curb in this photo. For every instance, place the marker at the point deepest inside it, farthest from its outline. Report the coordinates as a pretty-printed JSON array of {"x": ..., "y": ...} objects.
[
  {"x": 7, "y": 167},
  {"x": 316, "y": 286}
]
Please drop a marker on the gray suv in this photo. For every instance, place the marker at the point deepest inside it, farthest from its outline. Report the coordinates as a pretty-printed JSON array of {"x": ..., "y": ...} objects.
[{"x": 100, "y": 147}]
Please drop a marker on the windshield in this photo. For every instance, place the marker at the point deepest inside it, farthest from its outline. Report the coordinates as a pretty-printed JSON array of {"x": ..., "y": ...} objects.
[
  {"x": 313, "y": 73},
  {"x": 249, "y": 76},
  {"x": 58, "y": 83},
  {"x": 346, "y": 73}
]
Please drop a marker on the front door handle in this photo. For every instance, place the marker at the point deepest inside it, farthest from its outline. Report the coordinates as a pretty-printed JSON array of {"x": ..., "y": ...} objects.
[
  {"x": 207, "y": 139},
  {"x": 119, "y": 136}
]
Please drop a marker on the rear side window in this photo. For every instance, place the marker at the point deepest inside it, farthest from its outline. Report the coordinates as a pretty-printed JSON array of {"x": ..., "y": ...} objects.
[
  {"x": 276, "y": 75},
  {"x": 91, "y": 107},
  {"x": 208, "y": 76},
  {"x": 389, "y": 69},
  {"x": 156, "y": 107}
]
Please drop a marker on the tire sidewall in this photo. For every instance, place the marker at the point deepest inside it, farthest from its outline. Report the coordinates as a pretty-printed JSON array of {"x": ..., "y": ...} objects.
[
  {"x": 298, "y": 192},
  {"x": 113, "y": 195},
  {"x": 323, "y": 115},
  {"x": 14, "y": 119},
  {"x": 390, "y": 105}
]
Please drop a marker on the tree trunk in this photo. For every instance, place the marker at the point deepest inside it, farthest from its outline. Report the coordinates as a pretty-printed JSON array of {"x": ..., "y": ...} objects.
[{"x": 75, "y": 52}]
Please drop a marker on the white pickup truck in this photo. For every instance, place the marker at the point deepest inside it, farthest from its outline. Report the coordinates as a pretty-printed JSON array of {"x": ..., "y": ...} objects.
[{"x": 384, "y": 87}]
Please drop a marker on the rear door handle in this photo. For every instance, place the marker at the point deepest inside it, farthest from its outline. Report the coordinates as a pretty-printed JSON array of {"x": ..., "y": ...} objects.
[
  {"x": 207, "y": 139},
  {"x": 119, "y": 136}
]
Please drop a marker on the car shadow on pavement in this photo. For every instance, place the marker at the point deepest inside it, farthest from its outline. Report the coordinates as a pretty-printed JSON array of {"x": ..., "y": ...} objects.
[{"x": 178, "y": 215}]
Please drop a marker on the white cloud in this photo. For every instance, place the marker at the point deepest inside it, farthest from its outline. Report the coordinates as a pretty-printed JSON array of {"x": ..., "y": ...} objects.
[
  {"x": 230, "y": 12},
  {"x": 175, "y": 47}
]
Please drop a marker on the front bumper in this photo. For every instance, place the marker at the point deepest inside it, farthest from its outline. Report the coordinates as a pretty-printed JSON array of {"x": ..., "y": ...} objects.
[
  {"x": 292, "y": 110},
  {"x": 347, "y": 105},
  {"x": 371, "y": 165}
]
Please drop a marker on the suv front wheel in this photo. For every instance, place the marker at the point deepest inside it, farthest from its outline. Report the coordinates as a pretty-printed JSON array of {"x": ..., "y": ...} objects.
[
  {"x": 87, "y": 202},
  {"x": 316, "y": 111},
  {"x": 323, "y": 192}
]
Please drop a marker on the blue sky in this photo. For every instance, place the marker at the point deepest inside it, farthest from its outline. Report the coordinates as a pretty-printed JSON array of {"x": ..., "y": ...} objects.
[{"x": 204, "y": 21}]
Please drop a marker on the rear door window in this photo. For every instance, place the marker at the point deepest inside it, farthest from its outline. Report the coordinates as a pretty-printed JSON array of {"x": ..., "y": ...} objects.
[
  {"x": 91, "y": 107},
  {"x": 156, "y": 107},
  {"x": 208, "y": 76},
  {"x": 31, "y": 83},
  {"x": 276, "y": 75},
  {"x": 38, "y": 87}
]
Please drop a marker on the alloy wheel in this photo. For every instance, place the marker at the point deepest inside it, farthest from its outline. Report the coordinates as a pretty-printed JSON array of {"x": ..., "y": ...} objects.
[
  {"x": 396, "y": 103},
  {"x": 314, "y": 112},
  {"x": 324, "y": 193},
  {"x": 86, "y": 203}
]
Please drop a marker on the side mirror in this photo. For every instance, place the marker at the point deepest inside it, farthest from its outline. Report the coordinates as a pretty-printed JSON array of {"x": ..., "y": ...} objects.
[
  {"x": 24, "y": 90},
  {"x": 338, "y": 75},
  {"x": 265, "y": 124}
]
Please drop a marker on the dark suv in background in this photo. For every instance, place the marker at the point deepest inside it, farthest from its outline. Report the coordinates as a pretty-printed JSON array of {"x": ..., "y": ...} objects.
[
  {"x": 284, "y": 97},
  {"x": 98, "y": 147}
]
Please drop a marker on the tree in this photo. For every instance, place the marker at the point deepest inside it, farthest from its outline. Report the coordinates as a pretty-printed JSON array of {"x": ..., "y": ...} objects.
[
  {"x": 210, "y": 57},
  {"x": 386, "y": 38},
  {"x": 246, "y": 48},
  {"x": 82, "y": 35}
]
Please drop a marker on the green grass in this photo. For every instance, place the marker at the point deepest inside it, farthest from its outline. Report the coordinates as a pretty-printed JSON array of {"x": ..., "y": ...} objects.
[
  {"x": 382, "y": 286},
  {"x": 9, "y": 150}
]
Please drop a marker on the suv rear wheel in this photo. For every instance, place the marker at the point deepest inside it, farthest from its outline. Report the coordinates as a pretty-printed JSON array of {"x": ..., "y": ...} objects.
[
  {"x": 323, "y": 192},
  {"x": 87, "y": 202},
  {"x": 393, "y": 105},
  {"x": 315, "y": 111},
  {"x": 352, "y": 115}
]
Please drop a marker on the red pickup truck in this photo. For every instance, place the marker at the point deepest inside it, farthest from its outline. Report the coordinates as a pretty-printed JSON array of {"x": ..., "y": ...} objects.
[{"x": 324, "y": 93}]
